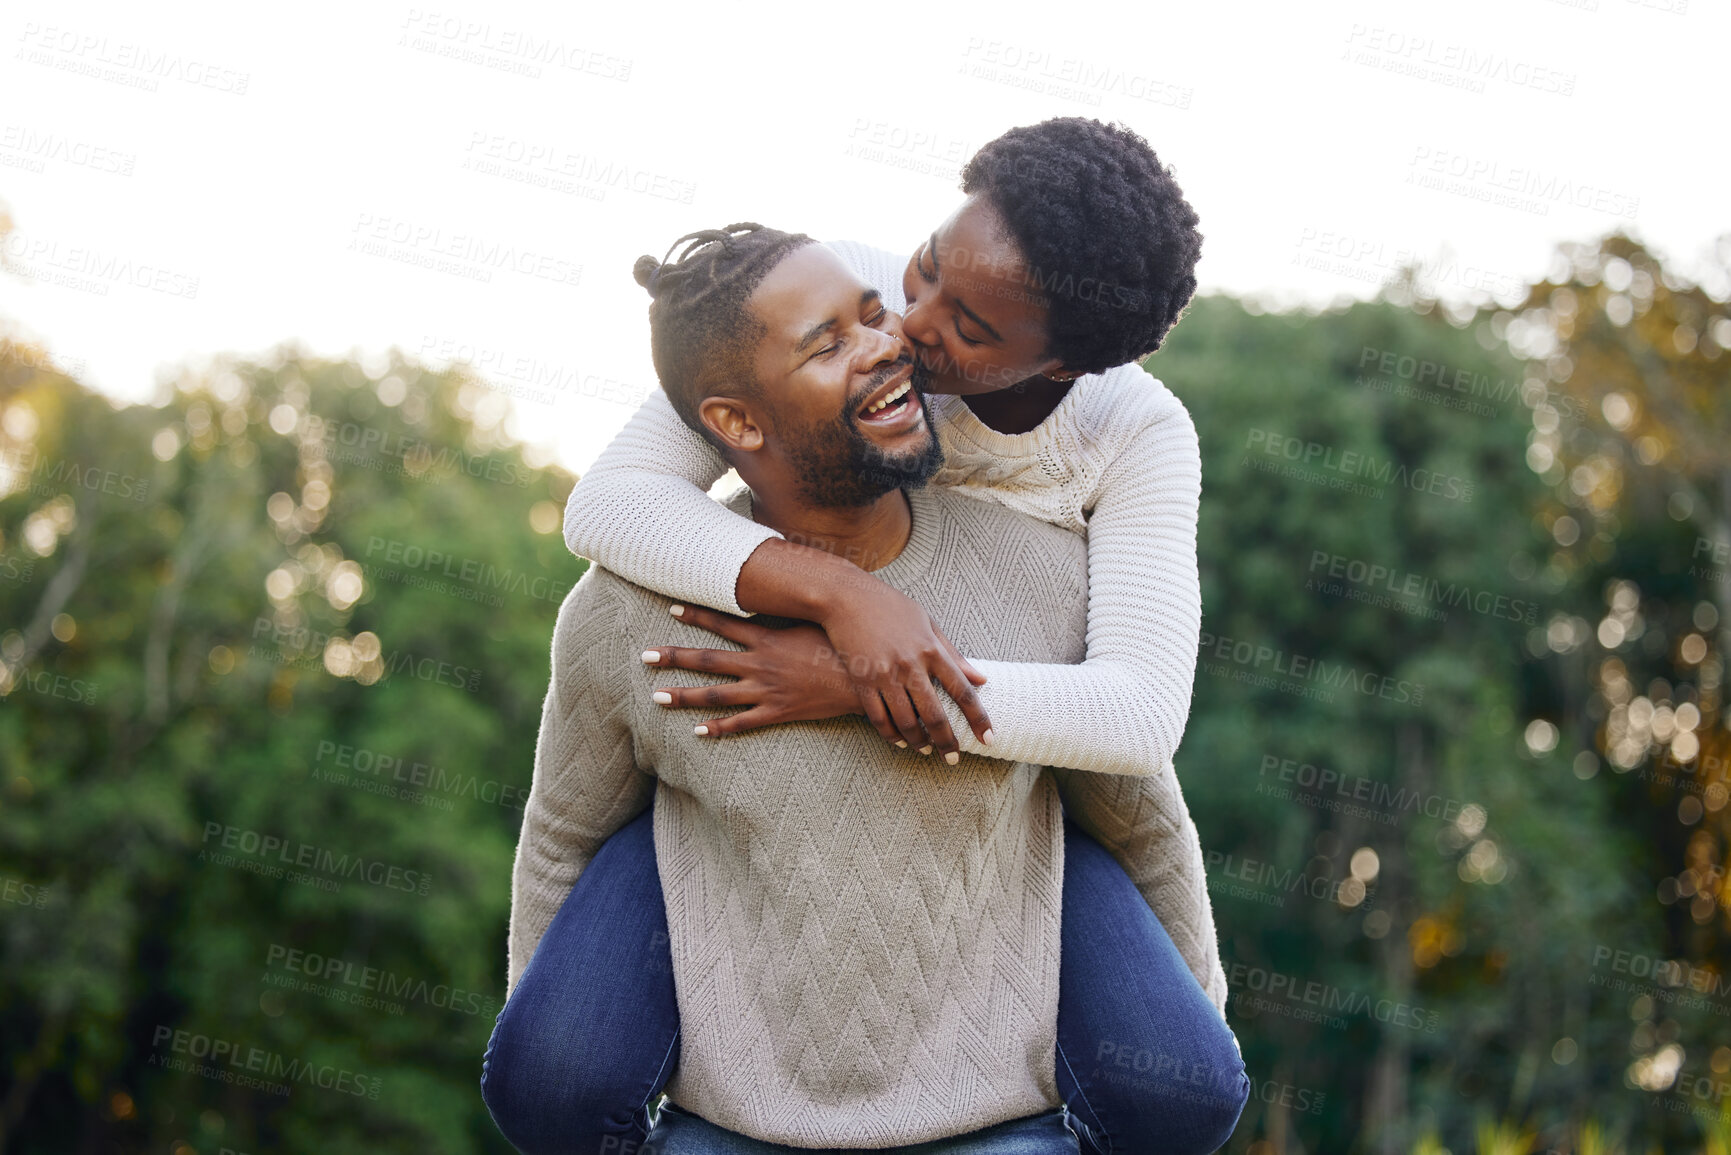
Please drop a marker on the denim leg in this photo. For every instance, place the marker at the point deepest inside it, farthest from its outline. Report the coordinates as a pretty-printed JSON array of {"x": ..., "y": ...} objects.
[
  {"x": 1145, "y": 1063},
  {"x": 591, "y": 1034},
  {"x": 681, "y": 1133}
]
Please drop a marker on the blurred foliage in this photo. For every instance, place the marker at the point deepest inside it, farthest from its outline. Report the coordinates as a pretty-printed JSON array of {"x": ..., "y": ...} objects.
[
  {"x": 184, "y": 646},
  {"x": 1640, "y": 474},
  {"x": 311, "y": 601},
  {"x": 1579, "y": 843}
]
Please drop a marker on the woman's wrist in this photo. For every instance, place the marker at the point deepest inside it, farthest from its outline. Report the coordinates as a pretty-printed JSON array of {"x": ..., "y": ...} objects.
[{"x": 791, "y": 580}]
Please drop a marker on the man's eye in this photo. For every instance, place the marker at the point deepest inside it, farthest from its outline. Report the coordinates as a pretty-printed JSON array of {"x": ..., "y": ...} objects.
[
  {"x": 930, "y": 278},
  {"x": 966, "y": 340}
]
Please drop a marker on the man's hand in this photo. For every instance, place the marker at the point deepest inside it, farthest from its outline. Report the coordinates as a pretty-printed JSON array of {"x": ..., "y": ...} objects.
[{"x": 803, "y": 673}]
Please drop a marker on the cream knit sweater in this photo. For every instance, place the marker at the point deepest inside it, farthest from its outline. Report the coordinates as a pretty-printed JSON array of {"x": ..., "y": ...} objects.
[
  {"x": 865, "y": 942},
  {"x": 1117, "y": 462}
]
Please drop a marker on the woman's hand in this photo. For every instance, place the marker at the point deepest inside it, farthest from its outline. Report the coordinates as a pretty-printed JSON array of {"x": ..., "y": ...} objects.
[
  {"x": 784, "y": 675},
  {"x": 803, "y": 673},
  {"x": 893, "y": 652}
]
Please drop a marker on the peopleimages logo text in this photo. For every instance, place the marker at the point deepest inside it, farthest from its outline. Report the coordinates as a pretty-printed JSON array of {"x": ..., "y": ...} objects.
[
  {"x": 469, "y": 571},
  {"x": 1357, "y": 788},
  {"x": 1363, "y": 466},
  {"x": 245, "y": 1065},
  {"x": 1257, "y": 658},
  {"x": 374, "y": 980},
  {"x": 51, "y": 477},
  {"x": 1243, "y": 981},
  {"x": 1403, "y": 584},
  {"x": 309, "y": 857}
]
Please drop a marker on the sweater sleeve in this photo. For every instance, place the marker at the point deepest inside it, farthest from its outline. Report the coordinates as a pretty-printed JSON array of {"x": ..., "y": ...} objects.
[
  {"x": 1145, "y": 825},
  {"x": 1123, "y": 710},
  {"x": 586, "y": 783},
  {"x": 641, "y": 511}
]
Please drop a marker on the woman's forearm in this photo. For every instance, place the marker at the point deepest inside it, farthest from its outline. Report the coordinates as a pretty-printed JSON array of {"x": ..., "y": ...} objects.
[
  {"x": 791, "y": 580},
  {"x": 1123, "y": 710},
  {"x": 1102, "y": 717},
  {"x": 642, "y": 512}
]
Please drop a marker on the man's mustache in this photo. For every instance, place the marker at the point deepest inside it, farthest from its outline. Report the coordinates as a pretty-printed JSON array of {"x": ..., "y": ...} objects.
[{"x": 890, "y": 370}]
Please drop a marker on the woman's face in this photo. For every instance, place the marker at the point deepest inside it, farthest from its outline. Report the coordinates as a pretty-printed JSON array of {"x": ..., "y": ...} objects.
[{"x": 975, "y": 316}]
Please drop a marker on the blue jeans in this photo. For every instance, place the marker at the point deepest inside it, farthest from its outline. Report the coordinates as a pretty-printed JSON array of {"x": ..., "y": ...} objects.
[
  {"x": 1145, "y": 1065},
  {"x": 678, "y": 1132}
]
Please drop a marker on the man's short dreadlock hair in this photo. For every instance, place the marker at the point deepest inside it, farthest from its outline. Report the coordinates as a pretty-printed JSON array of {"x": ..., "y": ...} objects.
[
  {"x": 1110, "y": 242},
  {"x": 701, "y": 334}
]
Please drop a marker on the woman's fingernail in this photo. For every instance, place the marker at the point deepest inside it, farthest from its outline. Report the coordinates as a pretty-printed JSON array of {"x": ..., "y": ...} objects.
[
  {"x": 986, "y": 737},
  {"x": 676, "y": 611},
  {"x": 663, "y": 697},
  {"x": 700, "y": 729},
  {"x": 903, "y": 745},
  {"x": 952, "y": 757},
  {"x": 651, "y": 656},
  {"x": 925, "y": 749}
]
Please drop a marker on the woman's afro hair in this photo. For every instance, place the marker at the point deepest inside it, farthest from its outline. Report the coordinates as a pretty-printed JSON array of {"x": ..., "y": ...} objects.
[{"x": 1110, "y": 242}]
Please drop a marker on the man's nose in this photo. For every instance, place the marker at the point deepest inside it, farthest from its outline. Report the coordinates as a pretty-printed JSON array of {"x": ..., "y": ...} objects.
[{"x": 889, "y": 348}]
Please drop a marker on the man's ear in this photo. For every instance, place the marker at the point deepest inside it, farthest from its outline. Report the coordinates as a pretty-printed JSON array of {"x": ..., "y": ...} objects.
[{"x": 733, "y": 421}]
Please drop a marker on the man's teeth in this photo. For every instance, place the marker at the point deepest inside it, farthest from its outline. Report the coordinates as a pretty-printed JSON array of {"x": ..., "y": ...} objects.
[{"x": 891, "y": 399}]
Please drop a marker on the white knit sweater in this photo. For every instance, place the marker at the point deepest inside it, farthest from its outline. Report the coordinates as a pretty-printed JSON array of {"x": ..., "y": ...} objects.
[{"x": 1117, "y": 462}]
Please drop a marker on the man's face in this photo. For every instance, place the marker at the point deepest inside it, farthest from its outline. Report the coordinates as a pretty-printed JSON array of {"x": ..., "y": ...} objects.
[{"x": 839, "y": 384}]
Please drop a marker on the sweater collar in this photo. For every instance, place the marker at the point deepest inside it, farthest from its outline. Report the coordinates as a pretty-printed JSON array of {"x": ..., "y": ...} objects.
[
  {"x": 916, "y": 557},
  {"x": 911, "y": 564}
]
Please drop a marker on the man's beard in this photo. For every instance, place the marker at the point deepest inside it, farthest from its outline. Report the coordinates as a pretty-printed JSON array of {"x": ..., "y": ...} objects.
[{"x": 839, "y": 467}]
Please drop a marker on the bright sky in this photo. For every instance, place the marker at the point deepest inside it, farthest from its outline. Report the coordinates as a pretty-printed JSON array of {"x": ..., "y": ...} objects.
[{"x": 472, "y": 181}]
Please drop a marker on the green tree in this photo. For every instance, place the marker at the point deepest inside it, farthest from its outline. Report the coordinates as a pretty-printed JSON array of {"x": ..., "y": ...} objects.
[
  {"x": 291, "y": 601},
  {"x": 1366, "y": 529},
  {"x": 1637, "y": 469}
]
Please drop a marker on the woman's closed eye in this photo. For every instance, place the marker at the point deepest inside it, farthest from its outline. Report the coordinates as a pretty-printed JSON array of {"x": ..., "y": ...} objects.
[{"x": 930, "y": 278}]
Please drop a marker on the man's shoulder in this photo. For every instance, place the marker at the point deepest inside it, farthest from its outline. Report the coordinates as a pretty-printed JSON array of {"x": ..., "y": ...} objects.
[{"x": 602, "y": 606}]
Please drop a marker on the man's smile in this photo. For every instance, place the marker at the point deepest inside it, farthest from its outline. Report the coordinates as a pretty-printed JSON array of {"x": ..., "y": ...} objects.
[{"x": 894, "y": 407}]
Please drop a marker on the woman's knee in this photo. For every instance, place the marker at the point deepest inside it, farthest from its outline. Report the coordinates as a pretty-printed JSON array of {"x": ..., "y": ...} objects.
[
  {"x": 1220, "y": 1107},
  {"x": 1207, "y": 1088},
  {"x": 505, "y": 1086},
  {"x": 540, "y": 1088},
  {"x": 1220, "y": 1084}
]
